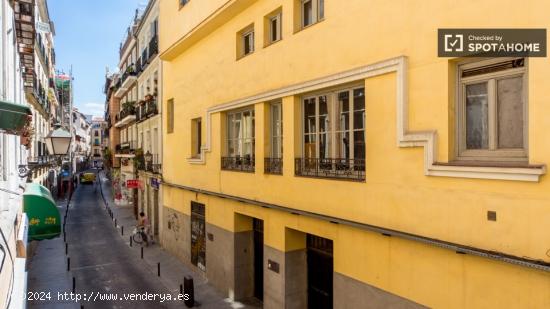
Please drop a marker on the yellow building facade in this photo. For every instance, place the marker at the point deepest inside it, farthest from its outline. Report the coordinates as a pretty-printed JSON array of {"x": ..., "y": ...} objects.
[{"x": 319, "y": 154}]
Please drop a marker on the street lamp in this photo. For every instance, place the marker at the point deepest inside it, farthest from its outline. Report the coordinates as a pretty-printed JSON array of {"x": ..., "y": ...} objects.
[{"x": 57, "y": 141}]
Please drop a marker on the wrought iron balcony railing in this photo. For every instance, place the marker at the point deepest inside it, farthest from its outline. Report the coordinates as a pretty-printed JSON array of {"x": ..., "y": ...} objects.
[
  {"x": 154, "y": 166},
  {"x": 147, "y": 109},
  {"x": 241, "y": 164},
  {"x": 126, "y": 147},
  {"x": 126, "y": 111},
  {"x": 349, "y": 169},
  {"x": 153, "y": 46},
  {"x": 273, "y": 166}
]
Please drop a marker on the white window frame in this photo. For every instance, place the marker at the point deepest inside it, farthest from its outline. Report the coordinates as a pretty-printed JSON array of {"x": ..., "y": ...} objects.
[
  {"x": 273, "y": 107},
  {"x": 493, "y": 153},
  {"x": 248, "y": 33},
  {"x": 332, "y": 98},
  {"x": 316, "y": 6},
  {"x": 241, "y": 140},
  {"x": 278, "y": 31}
]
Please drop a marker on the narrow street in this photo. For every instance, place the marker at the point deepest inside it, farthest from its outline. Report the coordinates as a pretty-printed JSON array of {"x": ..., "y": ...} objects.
[{"x": 104, "y": 265}]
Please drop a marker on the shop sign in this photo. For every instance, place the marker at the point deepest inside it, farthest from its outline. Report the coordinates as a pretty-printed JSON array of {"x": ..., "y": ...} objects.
[
  {"x": 155, "y": 183},
  {"x": 132, "y": 183}
]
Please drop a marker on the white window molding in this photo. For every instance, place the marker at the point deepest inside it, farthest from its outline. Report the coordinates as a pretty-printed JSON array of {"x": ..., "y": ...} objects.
[{"x": 405, "y": 138}]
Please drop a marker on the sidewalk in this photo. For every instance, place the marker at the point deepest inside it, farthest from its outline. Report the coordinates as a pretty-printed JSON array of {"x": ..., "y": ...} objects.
[
  {"x": 172, "y": 270},
  {"x": 47, "y": 270}
]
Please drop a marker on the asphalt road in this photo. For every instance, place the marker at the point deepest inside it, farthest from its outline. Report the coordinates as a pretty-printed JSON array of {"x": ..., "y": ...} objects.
[{"x": 101, "y": 263}]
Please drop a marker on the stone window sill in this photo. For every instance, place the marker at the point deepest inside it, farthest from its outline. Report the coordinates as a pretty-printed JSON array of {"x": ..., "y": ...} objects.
[{"x": 516, "y": 171}]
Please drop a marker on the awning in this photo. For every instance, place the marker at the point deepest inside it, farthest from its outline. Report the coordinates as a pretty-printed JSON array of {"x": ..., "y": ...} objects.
[
  {"x": 44, "y": 218},
  {"x": 13, "y": 117}
]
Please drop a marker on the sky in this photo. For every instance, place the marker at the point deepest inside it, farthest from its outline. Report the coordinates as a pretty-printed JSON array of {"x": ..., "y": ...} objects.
[{"x": 87, "y": 37}]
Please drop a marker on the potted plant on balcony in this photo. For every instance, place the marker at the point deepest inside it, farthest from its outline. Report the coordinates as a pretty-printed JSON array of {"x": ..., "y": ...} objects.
[{"x": 27, "y": 133}]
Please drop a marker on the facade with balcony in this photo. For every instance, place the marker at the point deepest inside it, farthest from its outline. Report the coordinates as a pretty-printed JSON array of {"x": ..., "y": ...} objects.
[
  {"x": 354, "y": 171},
  {"x": 99, "y": 140},
  {"x": 149, "y": 116}
]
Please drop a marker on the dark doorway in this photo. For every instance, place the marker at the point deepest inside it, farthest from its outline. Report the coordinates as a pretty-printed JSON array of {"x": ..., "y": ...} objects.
[
  {"x": 198, "y": 239},
  {"x": 156, "y": 211},
  {"x": 319, "y": 272},
  {"x": 258, "y": 226}
]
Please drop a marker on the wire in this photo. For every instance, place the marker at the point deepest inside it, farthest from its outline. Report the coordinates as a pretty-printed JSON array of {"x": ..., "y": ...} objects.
[{"x": 9, "y": 191}]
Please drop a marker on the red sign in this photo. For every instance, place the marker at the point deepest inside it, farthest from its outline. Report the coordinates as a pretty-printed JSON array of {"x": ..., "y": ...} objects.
[{"x": 132, "y": 183}]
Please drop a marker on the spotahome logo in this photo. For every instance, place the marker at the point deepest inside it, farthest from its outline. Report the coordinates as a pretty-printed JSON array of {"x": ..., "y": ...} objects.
[{"x": 491, "y": 42}]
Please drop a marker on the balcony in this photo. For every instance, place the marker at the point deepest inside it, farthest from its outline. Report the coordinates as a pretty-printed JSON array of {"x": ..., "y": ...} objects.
[
  {"x": 273, "y": 166},
  {"x": 153, "y": 47},
  {"x": 126, "y": 148},
  {"x": 147, "y": 110},
  {"x": 126, "y": 116},
  {"x": 129, "y": 77},
  {"x": 239, "y": 164},
  {"x": 344, "y": 169},
  {"x": 153, "y": 166}
]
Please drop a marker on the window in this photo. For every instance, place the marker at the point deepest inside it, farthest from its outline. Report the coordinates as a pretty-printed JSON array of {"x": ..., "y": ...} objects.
[
  {"x": 276, "y": 130},
  {"x": 274, "y": 164},
  {"x": 240, "y": 141},
  {"x": 183, "y": 2},
  {"x": 334, "y": 135},
  {"x": 273, "y": 27},
  {"x": 245, "y": 41},
  {"x": 312, "y": 11},
  {"x": 170, "y": 116},
  {"x": 492, "y": 117},
  {"x": 196, "y": 131},
  {"x": 248, "y": 42}
]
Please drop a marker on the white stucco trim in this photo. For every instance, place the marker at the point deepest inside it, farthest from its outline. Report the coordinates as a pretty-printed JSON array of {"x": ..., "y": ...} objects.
[{"x": 405, "y": 138}]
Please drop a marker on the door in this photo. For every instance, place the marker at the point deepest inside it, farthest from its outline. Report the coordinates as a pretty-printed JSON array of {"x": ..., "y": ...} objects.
[
  {"x": 156, "y": 210},
  {"x": 198, "y": 239},
  {"x": 319, "y": 272},
  {"x": 258, "y": 258}
]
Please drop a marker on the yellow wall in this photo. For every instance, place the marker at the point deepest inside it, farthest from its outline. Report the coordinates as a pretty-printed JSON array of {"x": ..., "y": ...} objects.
[{"x": 396, "y": 194}]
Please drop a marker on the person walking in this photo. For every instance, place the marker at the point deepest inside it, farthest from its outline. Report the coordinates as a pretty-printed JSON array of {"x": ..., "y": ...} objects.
[{"x": 143, "y": 227}]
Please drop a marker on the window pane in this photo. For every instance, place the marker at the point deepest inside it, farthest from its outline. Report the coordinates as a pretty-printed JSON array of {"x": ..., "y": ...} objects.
[
  {"x": 359, "y": 145},
  {"x": 321, "y": 9},
  {"x": 324, "y": 125},
  {"x": 231, "y": 148},
  {"x": 307, "y": 12},
  {"x": 310, "y": 150},
  {"x": 277, "y": 145},
  {"x": 309, "y": 116},
  {"x": 343, "y": 111},
  {"x": 274, "y": 29},
  {"x": 324, "y": 146},
  {"x": 359, "y": 108},
  {"x": 343, "y": 146},
  {"x": 477, "y": 117},
  {"x": 510, "y": 112}
]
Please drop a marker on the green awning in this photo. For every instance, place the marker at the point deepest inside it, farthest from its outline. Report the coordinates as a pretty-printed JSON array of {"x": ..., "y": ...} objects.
[
  {"x": 44, "y": 218},
  {"x": 13, "y": 117}
]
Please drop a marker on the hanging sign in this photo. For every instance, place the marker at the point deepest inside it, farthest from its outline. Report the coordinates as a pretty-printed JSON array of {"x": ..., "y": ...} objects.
[
  {"x": 155, "y": 183},
  {"x": 43, "y": 27},
  {"x": 132, "y": 183}
]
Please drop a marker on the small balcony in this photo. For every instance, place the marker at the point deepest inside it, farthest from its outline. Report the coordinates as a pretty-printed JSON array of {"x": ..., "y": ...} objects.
[
  {"x": 153, "y": 166},
  {"x": 239, "y": 164},
  {"x": 344, "y": 169},
  {"x": 273, "y": 166},
  {"x": 126, "y": 116},
  {"x": 153, "y": 47},
  {"x": 147, "y": 109},
  {"x": 129, "y": 77},
  {"x": 126, "y": 148}
]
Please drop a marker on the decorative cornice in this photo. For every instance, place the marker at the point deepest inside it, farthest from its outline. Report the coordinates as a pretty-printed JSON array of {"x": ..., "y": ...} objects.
[{"x": 405, "y": 138}]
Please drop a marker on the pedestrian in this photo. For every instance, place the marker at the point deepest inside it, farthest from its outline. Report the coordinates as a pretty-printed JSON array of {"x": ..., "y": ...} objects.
[{"x": 143, "y": 227}]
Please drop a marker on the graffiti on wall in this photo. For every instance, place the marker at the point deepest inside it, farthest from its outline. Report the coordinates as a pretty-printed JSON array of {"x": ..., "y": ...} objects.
[{"x": 174, "y": 224}]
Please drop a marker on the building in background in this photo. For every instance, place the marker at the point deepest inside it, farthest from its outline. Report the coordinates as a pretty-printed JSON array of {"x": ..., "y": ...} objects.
[
  {"x": 99, "y": 141},
  {"x": 319, "y": 154},
  {"x": 123, "y": 93},
  {"x": 148, "y": 116},
  {"x": 81, "y": 146}
]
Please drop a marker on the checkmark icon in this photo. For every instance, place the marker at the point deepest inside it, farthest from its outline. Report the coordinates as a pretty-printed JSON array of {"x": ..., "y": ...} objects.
[{"x": 453, "y": 43}]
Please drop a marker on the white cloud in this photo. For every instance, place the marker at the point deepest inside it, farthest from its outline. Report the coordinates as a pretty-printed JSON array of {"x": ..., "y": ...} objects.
[{"x": 91, "y": 108}]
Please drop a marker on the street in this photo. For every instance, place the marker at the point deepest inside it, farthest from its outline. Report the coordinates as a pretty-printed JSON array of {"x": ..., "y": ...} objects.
[{"x": 104, "y": 266}]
